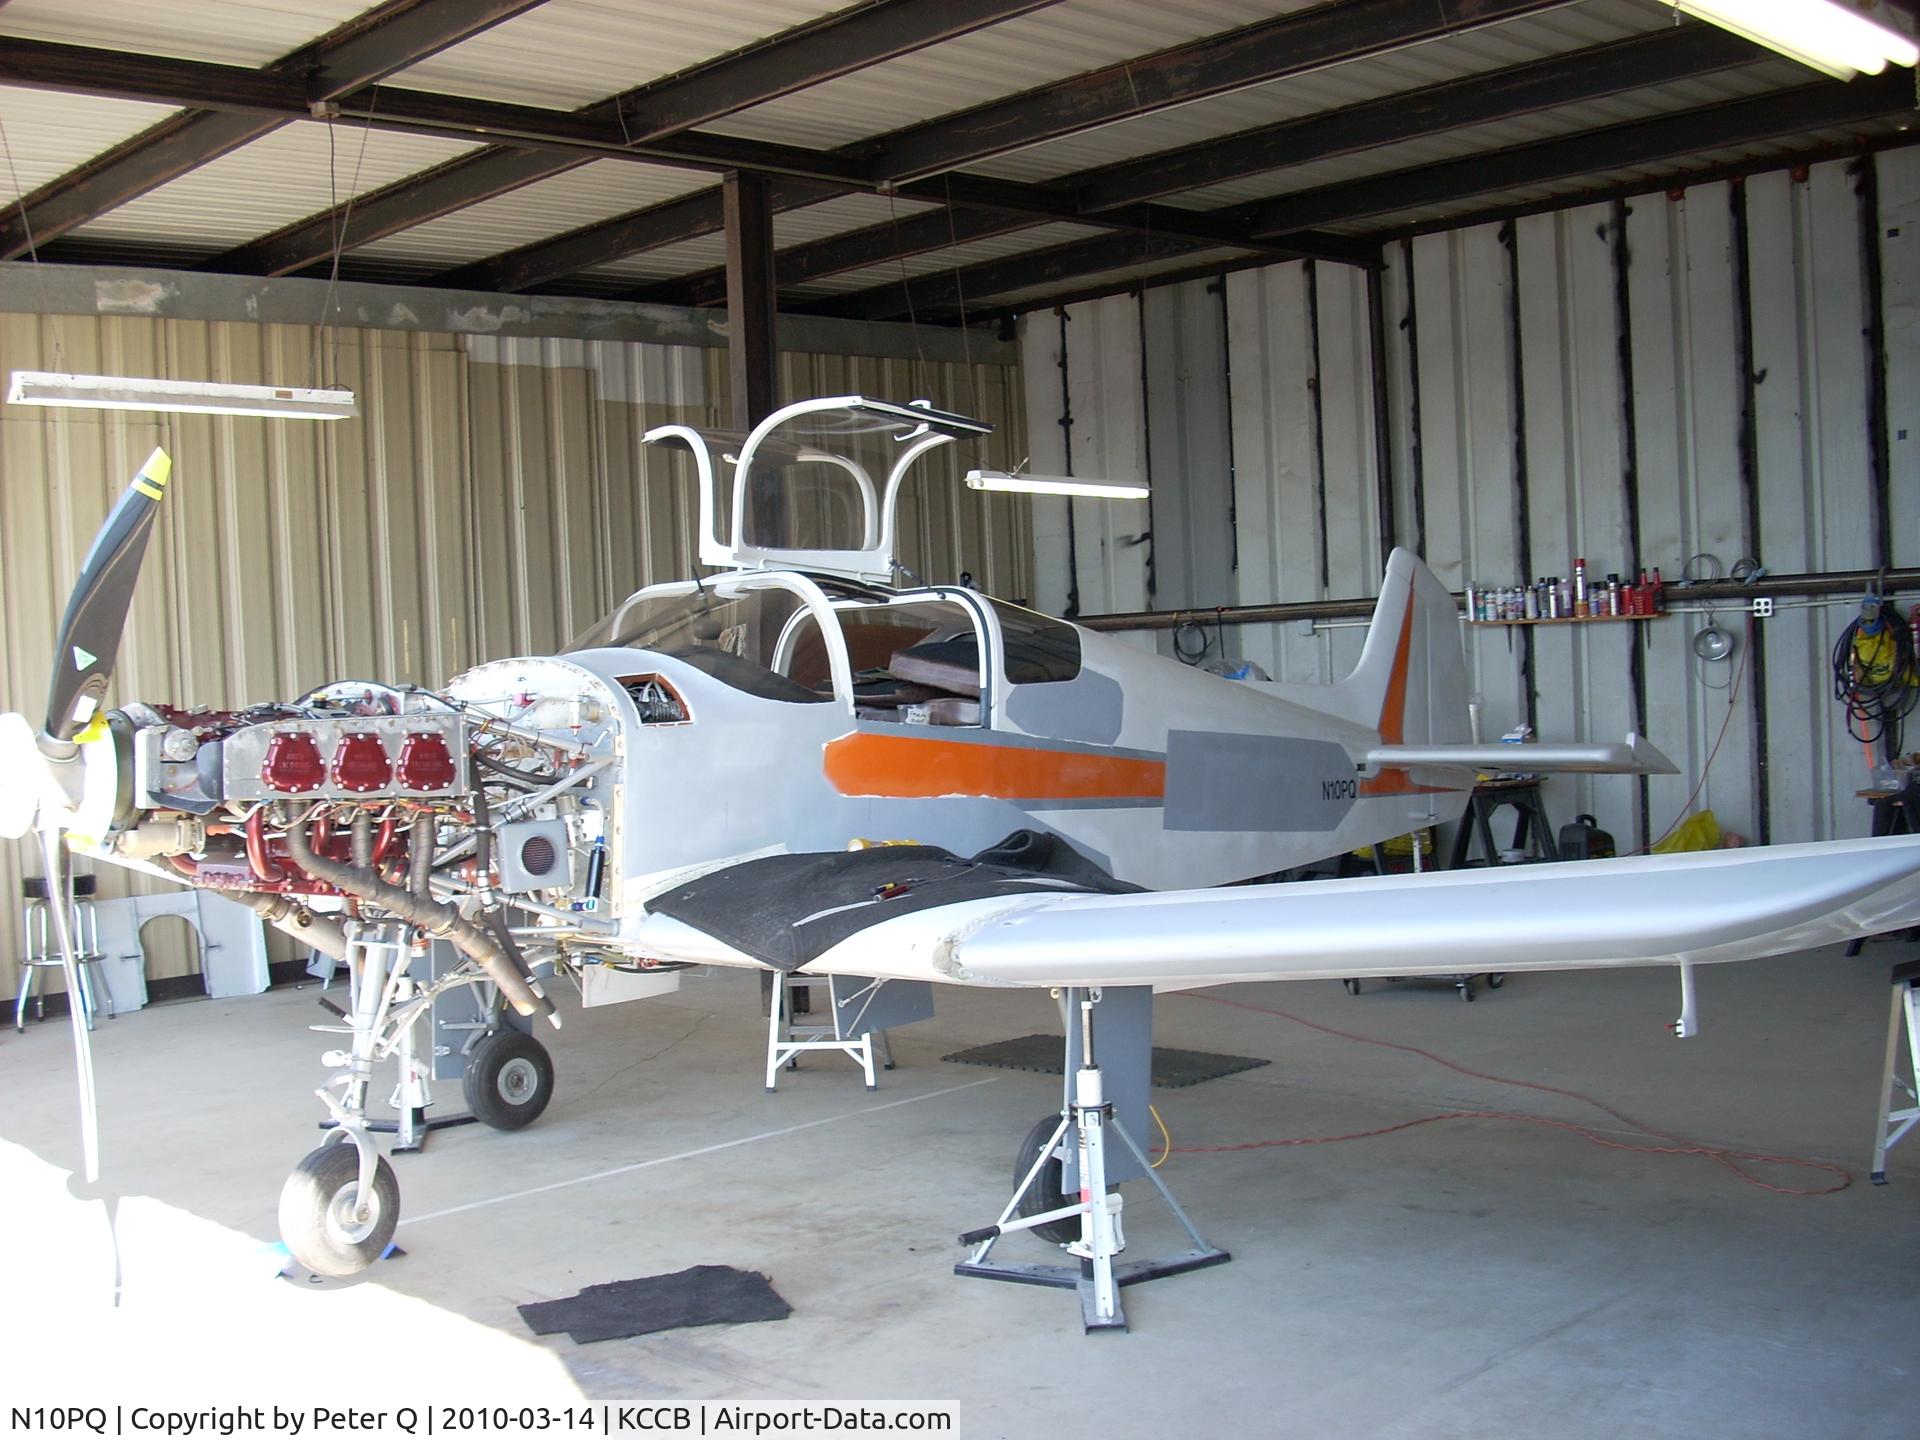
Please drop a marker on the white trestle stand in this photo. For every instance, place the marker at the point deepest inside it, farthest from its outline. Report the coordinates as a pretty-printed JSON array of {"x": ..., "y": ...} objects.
[
  {"x": 1895, "y": 1118},
  {"x": 845, "y": 1033},
  {"x": 1087, "y": 1121}
]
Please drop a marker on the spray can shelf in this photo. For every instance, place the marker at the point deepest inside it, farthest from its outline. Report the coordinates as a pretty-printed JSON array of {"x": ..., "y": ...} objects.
[{"x": 1572, "y": 620}]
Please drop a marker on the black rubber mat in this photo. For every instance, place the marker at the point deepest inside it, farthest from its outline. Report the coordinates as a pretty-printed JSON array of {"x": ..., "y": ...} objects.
[
  {"x": 702, "y": 1295},
  {"x": 1042, "y": 1055}
]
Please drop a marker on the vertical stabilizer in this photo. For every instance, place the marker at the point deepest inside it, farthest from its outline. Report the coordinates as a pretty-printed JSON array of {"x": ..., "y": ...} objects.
[{"x": 1411, "y": 682}]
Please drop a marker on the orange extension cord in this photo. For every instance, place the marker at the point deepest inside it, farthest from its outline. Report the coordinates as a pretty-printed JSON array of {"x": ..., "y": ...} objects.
[{"x": 1727, "y": 1159}]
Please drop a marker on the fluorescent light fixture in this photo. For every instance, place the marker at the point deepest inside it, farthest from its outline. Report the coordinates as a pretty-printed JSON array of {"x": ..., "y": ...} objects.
[
  {"x": 121, "y": 392},
  {"x": 1054, "y": 485},
  {"x": 1843, "y": 40}
]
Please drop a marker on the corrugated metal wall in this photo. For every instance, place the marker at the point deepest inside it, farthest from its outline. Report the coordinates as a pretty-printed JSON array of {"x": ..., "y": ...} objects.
[
  {"x": 492, "y": 499},
  {"x": 1730, "y": 371}
]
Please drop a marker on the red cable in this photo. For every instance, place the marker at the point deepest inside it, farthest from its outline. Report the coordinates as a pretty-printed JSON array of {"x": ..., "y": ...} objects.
[{"x": 1676, "y": 1145}]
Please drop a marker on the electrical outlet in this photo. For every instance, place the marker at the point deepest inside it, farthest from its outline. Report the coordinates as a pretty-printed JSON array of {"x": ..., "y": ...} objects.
[{"x": 1762, "y": 609}]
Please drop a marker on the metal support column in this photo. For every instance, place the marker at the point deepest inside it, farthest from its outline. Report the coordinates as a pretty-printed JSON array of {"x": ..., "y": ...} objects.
[{"x": 752, "y": 360}]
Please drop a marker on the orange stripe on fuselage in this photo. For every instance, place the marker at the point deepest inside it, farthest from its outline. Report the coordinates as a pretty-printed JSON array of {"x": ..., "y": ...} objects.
[{"x": 914, "y": 767}]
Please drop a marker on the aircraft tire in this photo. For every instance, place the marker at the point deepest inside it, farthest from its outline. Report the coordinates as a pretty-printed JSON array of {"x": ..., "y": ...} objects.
[
  {"x": 509, "y": 1080},
  {"x": 317, "y": 1205},
  {"x": 1045, "y": 1193}
]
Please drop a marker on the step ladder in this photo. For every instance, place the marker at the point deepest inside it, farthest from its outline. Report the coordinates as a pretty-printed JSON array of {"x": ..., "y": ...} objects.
[
  {"x": 1897, "y": 1118},
  {"x": 824, "y": 1022}
]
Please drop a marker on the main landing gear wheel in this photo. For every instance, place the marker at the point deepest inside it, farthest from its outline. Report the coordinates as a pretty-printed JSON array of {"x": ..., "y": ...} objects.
[
  {"x": 509, "y": 1080},
  {"x": 322, "y": 1221},
  {"x": 1045, "y": 1193}
]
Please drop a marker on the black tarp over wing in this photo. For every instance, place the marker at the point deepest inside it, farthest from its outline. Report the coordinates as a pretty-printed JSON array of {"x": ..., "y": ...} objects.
[{"x": 788, "y": 909}]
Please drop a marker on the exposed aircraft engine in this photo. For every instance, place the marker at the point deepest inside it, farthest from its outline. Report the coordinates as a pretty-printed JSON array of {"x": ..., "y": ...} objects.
[{"x": 362, "y": 797}]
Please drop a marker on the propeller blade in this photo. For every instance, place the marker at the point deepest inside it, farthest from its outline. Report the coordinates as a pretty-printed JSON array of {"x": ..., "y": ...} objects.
[
  {"x": 102, "y": 597},
  {"x": 60, "y": 905}
]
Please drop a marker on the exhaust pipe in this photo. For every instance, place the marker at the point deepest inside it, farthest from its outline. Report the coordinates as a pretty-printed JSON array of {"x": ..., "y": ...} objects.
[
  {"x": 500, "y": 961},
  {"x": 315, "y": 931}
]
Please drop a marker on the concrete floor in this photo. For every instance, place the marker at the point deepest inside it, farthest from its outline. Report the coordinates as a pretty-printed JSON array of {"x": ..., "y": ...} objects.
[{"x": 1465, "y": 1279}]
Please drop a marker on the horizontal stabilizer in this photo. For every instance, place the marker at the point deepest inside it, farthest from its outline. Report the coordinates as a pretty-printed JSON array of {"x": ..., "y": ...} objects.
[{"x": 1632, "y": 756}]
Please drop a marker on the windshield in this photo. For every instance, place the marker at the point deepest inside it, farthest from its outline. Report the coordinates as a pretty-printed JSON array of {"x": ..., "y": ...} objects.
[{"x": 726, "y": 629}]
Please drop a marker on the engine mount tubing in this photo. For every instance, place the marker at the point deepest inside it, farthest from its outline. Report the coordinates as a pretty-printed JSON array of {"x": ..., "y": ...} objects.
[{"x": 442, "y": 921}]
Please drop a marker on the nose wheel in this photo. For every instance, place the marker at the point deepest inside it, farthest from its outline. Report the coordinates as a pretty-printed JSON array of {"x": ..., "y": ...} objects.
[
  {"x": 508, "y": 1080},
  {"x": 329, "y": 1222}
]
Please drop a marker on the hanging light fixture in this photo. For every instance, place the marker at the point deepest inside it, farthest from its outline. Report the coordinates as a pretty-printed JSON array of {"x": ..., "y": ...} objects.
[
  {"x": 1054, "y": 485},
  {"x": 121, "y": 392},
  {"x": 1843, "y": 40}
]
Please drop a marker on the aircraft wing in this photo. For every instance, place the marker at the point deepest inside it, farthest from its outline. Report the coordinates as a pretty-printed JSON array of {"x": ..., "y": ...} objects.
[{"x": 1662, "y": 909}]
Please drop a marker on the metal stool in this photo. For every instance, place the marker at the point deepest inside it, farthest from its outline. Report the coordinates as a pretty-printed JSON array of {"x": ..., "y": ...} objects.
[{"x": 40, "y": 949}]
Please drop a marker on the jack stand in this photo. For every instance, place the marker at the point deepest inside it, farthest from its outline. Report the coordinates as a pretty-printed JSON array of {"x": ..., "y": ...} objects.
[
  {"x": 1097, "y": 1279},
  {"x": 1895, "y": 1122}
]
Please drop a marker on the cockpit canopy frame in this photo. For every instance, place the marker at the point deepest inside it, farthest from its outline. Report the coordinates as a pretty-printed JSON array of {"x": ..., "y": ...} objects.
[{"x": 865, "y": 447}]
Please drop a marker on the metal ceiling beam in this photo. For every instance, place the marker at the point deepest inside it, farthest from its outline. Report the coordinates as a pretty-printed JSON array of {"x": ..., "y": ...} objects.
[
  {"x": 690, "y": 218},
  {"x": 918, "y": 234},
  {"x": 574, "y": 136},
  {"x": 1660, "y": 57},
  {"x": 387, "y": 38},
  {"x": 564, "y": 140},
  {"x": 1666, "y": 183},
  {"x": 1290, "y": 44},
  {"x": 836, "y": 45},
  {"x": 953, "y": 288},
  {"x": 1730, "y": 124},
  {"x": 1827, "y": 105}
]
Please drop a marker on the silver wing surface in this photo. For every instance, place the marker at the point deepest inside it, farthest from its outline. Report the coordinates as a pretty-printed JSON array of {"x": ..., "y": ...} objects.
[{"x": 1662, "y": 909}]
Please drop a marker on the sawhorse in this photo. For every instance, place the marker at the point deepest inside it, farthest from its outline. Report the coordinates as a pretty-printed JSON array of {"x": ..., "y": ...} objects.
[
  {"x": 1897, "y": 1119},
  {"x": 1530, "y": 822}
]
